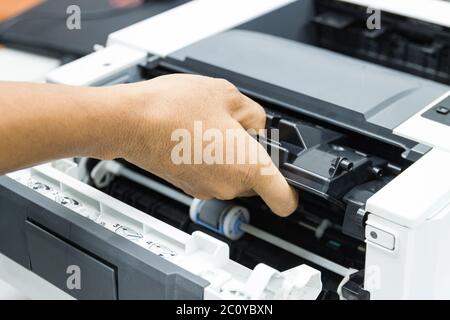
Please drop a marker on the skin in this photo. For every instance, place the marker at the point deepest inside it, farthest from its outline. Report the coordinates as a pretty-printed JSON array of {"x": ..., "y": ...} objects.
[{"x": 43, "y": 122}]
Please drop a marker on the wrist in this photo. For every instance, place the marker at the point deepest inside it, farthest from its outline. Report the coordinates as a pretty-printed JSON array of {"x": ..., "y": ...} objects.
[
  {"x": 119, "y": 113},
  {"x": 107, "y": 124}
]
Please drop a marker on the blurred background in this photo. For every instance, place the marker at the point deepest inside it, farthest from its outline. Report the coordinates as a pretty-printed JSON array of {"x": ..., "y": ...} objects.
[{"x": 10, "y": 8}]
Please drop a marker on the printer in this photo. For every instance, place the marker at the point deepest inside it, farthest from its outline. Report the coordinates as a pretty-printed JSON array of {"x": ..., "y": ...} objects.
[{"x": 364, "y": 125}]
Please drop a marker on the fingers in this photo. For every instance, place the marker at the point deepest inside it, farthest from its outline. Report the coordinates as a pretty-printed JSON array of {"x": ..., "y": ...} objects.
[
  {"x": 273, "y": 188},
  {"x": 250, "y": 114},
  {"x": 243, "y": 109},
  {"x": 281, "y": 198},
  {"x": 268, "y": 182}
]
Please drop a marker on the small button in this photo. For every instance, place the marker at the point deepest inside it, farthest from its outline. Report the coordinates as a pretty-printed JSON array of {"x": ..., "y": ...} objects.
[
  {"x": 380, "y": 237},
  {"x": 442, "y": 110}
]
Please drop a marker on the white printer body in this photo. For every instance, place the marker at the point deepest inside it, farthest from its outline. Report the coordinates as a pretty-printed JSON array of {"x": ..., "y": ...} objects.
[{"x": 377, "y": 231}]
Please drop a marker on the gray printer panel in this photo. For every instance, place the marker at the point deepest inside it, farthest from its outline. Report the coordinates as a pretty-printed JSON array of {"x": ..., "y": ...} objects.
[
  {"x": 47, "y": 238},
  {"x": 343, "y": 89}
]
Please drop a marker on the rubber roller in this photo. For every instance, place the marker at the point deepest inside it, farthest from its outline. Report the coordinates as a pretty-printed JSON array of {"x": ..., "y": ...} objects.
[{"x": 223, "y": 217}]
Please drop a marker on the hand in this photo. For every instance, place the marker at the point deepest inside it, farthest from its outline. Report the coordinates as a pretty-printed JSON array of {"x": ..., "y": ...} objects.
[{"x": 159, "y": 112}]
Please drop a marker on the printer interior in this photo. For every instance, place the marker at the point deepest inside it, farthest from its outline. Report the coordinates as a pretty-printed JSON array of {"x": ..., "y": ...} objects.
[
  {"x": 349, "y": 167},
  {"x": 400, "y": 42}
]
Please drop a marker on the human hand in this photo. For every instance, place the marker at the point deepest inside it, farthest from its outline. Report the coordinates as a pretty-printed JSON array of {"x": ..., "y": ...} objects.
[{"x": 159, "y": 113}]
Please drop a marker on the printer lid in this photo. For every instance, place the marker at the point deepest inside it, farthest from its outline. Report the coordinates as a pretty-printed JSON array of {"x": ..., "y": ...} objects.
[{"x": 345, "y": 91}]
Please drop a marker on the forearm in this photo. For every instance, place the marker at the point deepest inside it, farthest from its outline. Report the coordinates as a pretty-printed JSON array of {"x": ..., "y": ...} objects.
[{"x": 39, "y": 123}]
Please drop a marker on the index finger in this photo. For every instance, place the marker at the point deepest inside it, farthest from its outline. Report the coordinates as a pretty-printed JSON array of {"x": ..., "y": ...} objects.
[{"x": 273, "y": 188}]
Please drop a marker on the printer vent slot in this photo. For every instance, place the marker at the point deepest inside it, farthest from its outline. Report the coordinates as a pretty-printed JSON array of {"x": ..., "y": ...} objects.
[{"x": 402, "y": 43}]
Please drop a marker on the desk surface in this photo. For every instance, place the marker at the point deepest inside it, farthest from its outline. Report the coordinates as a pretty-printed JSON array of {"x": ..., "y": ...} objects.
[
  {"x": 52, "y": 35},
  {"x": 10, "y": 8},
  {"x": 17, "y": 65}
]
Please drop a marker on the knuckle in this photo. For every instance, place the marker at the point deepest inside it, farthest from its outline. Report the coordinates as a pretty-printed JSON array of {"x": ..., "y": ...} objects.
[
  {"x": 235, "y": 99},
  {"x": 261, "y": 114},
  {"x": 230, "y": 89},
  {"x": 230, "y": 93},
  {"x": 225, "y": 84}
]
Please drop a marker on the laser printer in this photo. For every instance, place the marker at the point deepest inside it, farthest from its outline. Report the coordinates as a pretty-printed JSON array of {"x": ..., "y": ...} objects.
[{"x": 364, "y": 123}]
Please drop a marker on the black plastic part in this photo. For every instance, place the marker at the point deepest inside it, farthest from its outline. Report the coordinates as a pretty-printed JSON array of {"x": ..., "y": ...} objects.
[
  {"x": 158, "y": 206},
  {"x": 317, "y": 159},
  {"x": 354, "y": 221},
  {"x": 353, "y": 289},
  {"x": 355, "y": 215},
  {"x": 405, "y": 44},
  {"x": 334, "y": 20},
  {"x": 328, "y": 295}
]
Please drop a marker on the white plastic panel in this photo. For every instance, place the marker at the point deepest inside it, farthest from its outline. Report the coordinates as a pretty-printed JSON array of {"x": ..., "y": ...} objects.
[
  {"x": 191, "y": 22},
  {"x": 426, "y": 131},
  {"x": 418, "y": 266},
  {"x": 418, "y": 193},
  {"x": 98, "y": 66},
  {"x": 198, "y": 253}
]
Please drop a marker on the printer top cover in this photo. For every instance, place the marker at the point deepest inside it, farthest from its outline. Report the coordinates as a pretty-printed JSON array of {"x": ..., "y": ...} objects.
[{"x": 345, "y": 91}]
